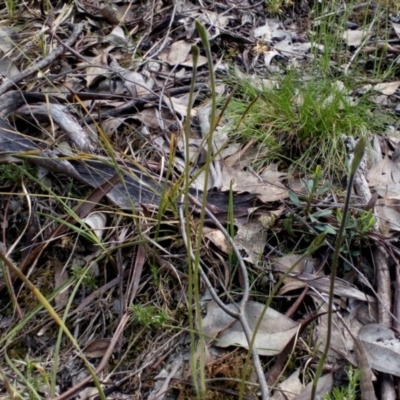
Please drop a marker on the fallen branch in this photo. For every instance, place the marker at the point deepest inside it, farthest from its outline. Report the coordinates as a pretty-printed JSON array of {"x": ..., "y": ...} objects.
[{"x": 45, "y": 62}]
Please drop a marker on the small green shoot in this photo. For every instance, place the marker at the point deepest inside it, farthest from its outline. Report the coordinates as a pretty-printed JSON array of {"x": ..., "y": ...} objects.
[
  {"x": 349, "y": 392},
  {"x": 13, "y": 173},
  {"x": 88, "y": 280},
  {"x": 148, "y": 316}
]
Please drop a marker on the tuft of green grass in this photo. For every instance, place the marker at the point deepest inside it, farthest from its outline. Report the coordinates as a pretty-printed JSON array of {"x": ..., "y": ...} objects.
[{"x": 302, "y": 120}]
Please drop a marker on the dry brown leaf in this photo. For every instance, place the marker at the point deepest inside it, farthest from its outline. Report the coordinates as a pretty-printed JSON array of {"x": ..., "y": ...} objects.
[
  {"x": 244, "y": 181},
  {"x": 354, "y": 37},
  {"x": 385, "y": 172},
  {"x": 274, "y": 333},
  {"x": 387, "y": 88},
  {"x": 381, "y": 347},
  {"x": 251, "y": 237},
  {"x": 179, "y": 54},
  {"x": 97, "y": 348},
  {"x": 8, "y": 68},
  {"x": 97, "y": 69},
  {"x": 60, "y": 277},
  {"x": 8, "y": 38},
  {"x": 97, "y": 222},
  {"x": 286, "y": 263},
  {"x": 324, "y": 386},
  {"x": 396, "y": 28},
  {"x": 290, "y": 388},
  {"x": 389, "y": 217},
  {"x": 136, "y": 83},
  {"x": 218, "y": 239}
]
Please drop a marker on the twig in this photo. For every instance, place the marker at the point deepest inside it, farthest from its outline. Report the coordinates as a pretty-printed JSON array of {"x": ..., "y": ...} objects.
[
  {"x": 365, "y": 40},
  {"x": 45, "y": 62},
  {"x": 103, "y": 363},
  {"x": 135, "y": 105}
]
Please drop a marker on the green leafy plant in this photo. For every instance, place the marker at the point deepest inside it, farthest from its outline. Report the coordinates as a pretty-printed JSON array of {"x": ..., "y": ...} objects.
[
  {"x": 348, "y": 392},
  {"x": 87, "y": 278},
  {"x": 13, "y": 173},
  {"x": 357, "y": 225},
  {"x": 148, "y": 316},
  {"x": 278, "y": 6}
]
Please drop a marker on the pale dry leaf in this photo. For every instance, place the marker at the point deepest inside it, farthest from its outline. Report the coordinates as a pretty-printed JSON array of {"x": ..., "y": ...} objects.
[
  {"x": 387, "y": 88},
  {"x": 272, "y": 30},
  {"x": 117, "y": 37},
  {"x": 125, "y": 13},
  {"x": 177, "y": 53},
  {"x": 111, "y": 125},
  {"x": 7, "y": 39},
  {"x": 381, "y": 347},
  {"x": 216, "y": 19},
  {"x": 60, "y": 277},
  {"x": 150, "y": 118},
  {"x": 290, "y": 388},
  {"x": 7, "y": 68},
  {"x": 88, "y": 393},
  {"x": 97, "y": 222},
  {"x": 324, "y": 386},
  {"x": 291, "y": 284},
  {"x": 354, "y": 37},
  {"x": 290, "y": 49},
  {"x": 201, "y": 60},
  {"x": 217, "y": 238},
  {"x": 385, "y": 172},
  {"x": 244, "y": 181},
  {"x": 251, "y": 236},
  {"x": 342, "y": 287},
  {"x": 396, "y": 27},
  {"x": 163, "y": 378},
  {"x": 389, "y": 218},
  {"x": 136, "y": 83},
  {"x": 97, "y": 348},
  {"x": 342, "y": 344},
  {"x": 179, "y": 105},
  {"x": 97, "y": 69},
  {"x": 269, "y": 56},
  {"x": 389, "y": 191},
  {"x": 272, "y": 175},
  {"x": 286, "y": 263},
  {"x": 274, "y": 333}
]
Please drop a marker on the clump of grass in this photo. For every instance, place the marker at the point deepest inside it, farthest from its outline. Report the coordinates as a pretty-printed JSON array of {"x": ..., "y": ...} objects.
[{"x": 301, "y": 120}]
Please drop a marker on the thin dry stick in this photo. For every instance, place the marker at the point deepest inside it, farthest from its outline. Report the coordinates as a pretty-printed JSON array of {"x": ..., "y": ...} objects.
[
  {"x": 45, "y": 62},
  {"x": 103, "y": 363},
  {"x": 240, "y": 315},
  {"x": 366, "y": 38}
]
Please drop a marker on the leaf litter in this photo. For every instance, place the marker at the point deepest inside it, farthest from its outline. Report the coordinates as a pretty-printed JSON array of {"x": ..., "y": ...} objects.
[{"x": 99, "y": 109}]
